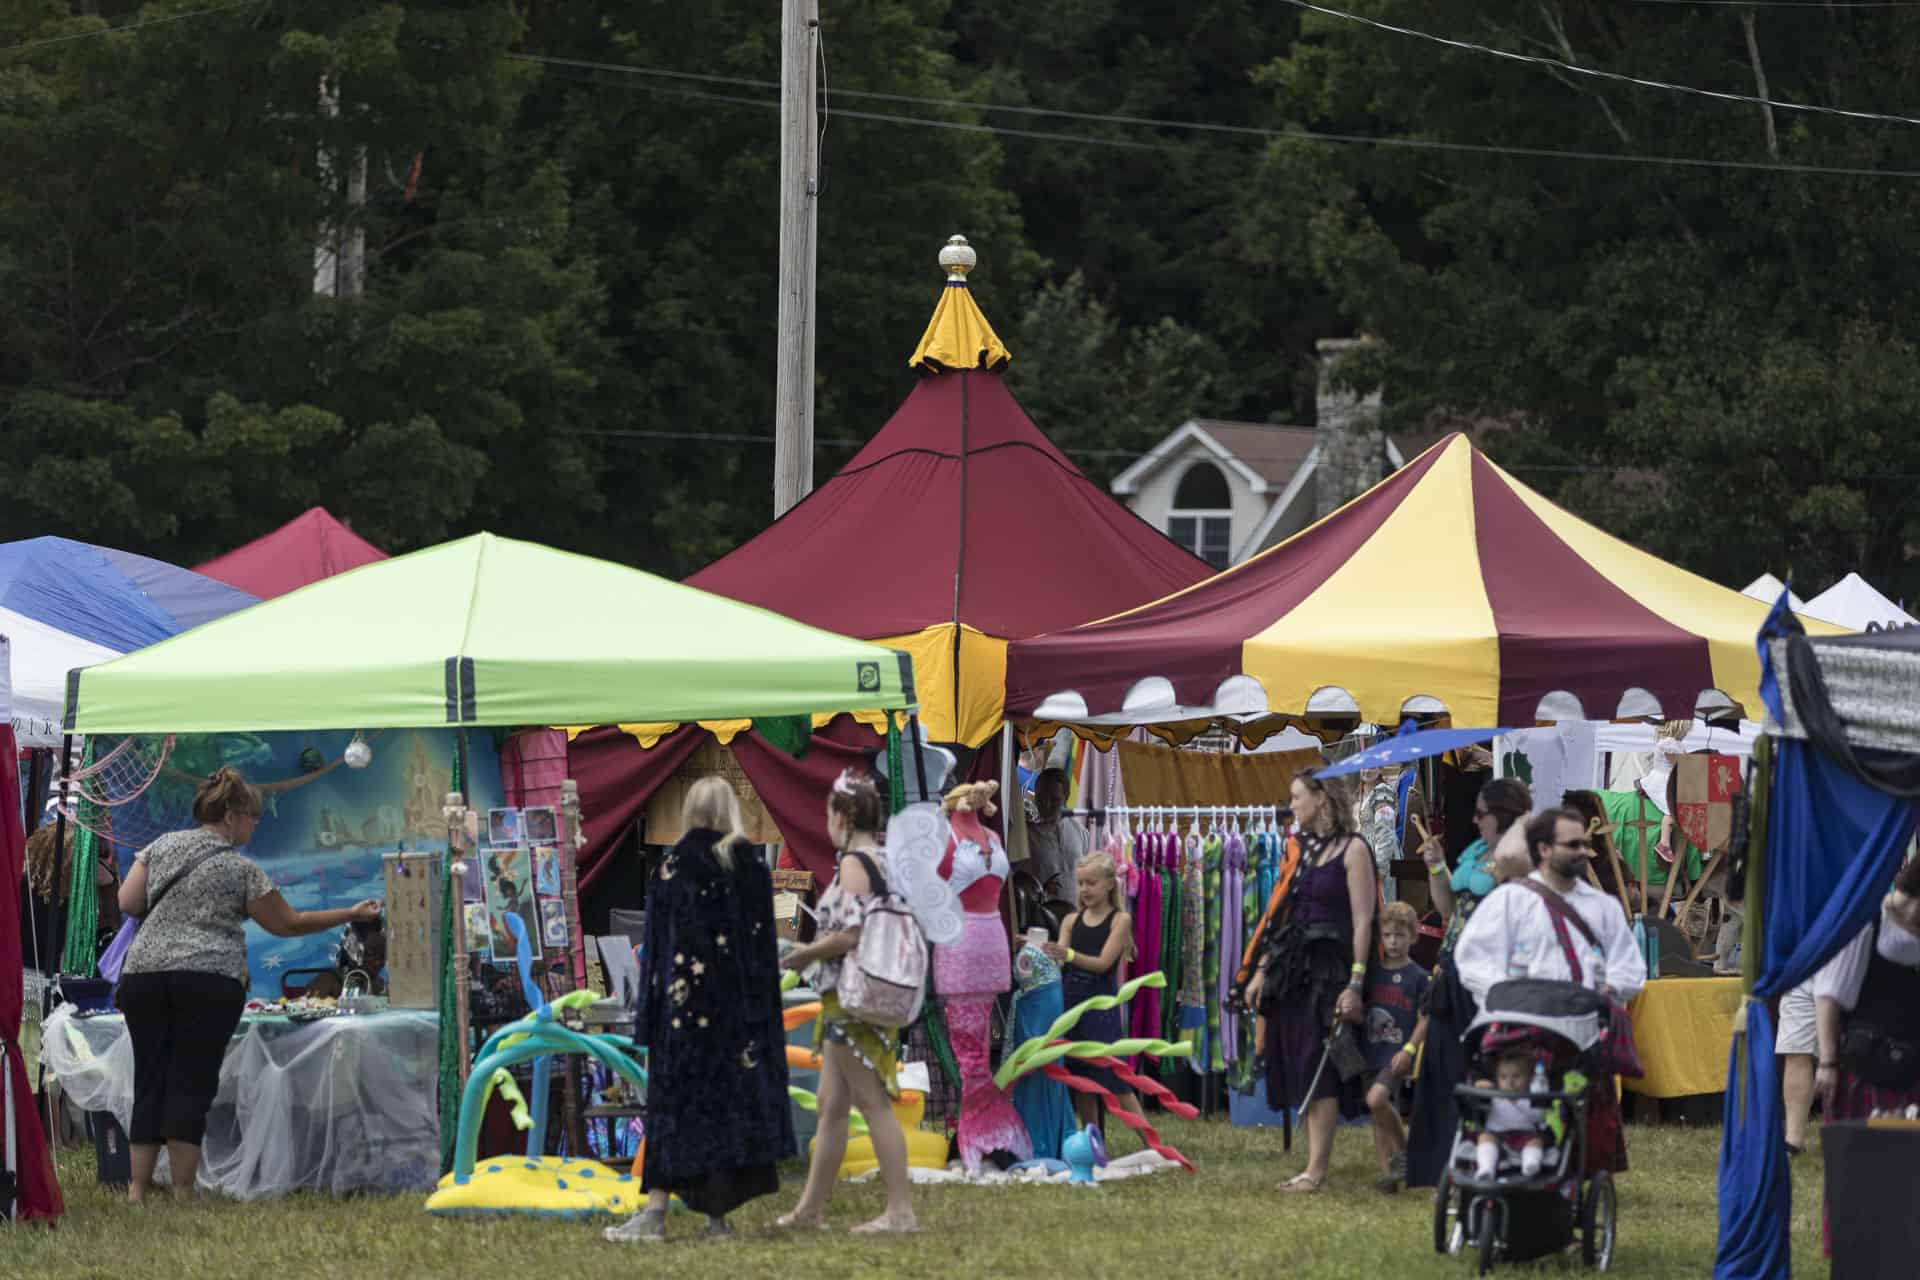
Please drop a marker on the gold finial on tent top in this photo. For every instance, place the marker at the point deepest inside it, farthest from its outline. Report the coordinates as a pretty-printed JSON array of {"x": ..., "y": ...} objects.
[
  {"x": 958, "y": 336},
  {"x": 958, "y": 258}
]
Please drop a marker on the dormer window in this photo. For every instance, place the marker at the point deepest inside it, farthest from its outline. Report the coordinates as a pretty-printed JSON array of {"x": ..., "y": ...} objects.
[{"x": 1202, "y": 516}]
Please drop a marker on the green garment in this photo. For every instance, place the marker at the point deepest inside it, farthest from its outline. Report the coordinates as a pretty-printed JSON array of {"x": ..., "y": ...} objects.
[{"x": 1625, "y": 809}]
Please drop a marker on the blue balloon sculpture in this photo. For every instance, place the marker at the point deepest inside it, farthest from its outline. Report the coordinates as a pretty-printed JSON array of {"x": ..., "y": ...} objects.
[{"x": 538, "y": 1037}]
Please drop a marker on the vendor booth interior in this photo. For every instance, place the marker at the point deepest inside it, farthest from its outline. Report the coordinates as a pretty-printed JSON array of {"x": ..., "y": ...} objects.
[
  {"x": 370, "y": 708},
  {"x": 1448, "y": 594}
]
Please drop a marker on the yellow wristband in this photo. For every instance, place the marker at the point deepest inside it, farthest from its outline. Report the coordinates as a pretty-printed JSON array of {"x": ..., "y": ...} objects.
[
  {"x": 1071, "y": 953},
  {"x": 1360, "y": 969}
]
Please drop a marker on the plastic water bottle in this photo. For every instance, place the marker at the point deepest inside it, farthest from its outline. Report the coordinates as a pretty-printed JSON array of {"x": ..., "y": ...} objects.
[{"x": 1540, "y": 1084}]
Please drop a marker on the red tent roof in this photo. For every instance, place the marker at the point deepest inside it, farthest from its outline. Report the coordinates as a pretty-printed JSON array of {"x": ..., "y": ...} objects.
[
  {"x": 309, "y": 547},
  {"x": 959, "y": 506}
]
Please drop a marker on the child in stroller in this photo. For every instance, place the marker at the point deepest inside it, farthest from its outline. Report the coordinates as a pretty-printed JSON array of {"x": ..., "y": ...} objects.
[
  {"x": 1512, "y": 1122},
  {"x": 1519, "y": 1186}
]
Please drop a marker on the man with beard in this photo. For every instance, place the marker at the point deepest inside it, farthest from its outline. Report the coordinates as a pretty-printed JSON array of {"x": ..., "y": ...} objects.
[{"x": 1513, "y": 935}]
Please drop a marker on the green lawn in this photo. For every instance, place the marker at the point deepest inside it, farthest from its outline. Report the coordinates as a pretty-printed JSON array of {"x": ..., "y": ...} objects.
[{"x": 1226, "y": 1222}]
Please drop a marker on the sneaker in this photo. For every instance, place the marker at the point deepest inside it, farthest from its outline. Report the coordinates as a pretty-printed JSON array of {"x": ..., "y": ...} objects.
[{"x": 646, "y": 1227}]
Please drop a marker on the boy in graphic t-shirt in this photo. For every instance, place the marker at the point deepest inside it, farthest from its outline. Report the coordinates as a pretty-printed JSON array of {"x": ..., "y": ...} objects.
[{"x": 1396, "y": 988}]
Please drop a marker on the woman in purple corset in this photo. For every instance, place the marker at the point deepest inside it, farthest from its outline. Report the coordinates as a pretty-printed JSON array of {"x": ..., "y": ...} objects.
[{"x": 1312, "y": 973}]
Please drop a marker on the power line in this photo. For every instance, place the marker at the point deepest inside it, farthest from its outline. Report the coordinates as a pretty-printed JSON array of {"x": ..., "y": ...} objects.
[
  {"x": 1271, "y": 135},
  {"x": 1542, "y": 61},
  {"x": 1790, "y": 4},
  {"x": 128, "y": 26}
]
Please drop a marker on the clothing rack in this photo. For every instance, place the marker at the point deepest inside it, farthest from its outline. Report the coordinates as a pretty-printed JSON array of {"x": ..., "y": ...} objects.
[{"x": 1176, "y": 812}]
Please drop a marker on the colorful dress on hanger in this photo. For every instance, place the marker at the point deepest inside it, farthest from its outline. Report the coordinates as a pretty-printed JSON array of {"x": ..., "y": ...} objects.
[
  {"x": 1148, "y": 921},
  {"x": 1226, "y": 957},
  {"x": 1212, "y": 1056},
  {"x": 1170, "y": 950},
  {"x": 967, "y": 975}
]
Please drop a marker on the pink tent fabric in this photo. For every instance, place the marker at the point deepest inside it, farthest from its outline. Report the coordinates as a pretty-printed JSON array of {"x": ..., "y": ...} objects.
[
  {"x": 39, "y": 1189},
  {"x": 311, "y": 546}
]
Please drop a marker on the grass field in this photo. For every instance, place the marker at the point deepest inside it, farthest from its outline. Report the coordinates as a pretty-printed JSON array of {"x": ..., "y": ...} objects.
[{"x": 1228, "y": 1221}]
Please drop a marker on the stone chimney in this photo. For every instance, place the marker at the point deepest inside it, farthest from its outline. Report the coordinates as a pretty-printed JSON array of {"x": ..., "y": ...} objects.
[{"x": 1346, "y": 432}]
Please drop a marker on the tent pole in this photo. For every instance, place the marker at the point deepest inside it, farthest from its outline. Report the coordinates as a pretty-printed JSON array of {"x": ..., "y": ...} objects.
[
  {"x": 960, "y": 564},
  {"x": 919, "y": 754}
]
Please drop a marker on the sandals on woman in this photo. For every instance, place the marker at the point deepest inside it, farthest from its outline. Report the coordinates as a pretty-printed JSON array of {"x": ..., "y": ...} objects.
[
  {"x": 1303, "y": 1182},
  {"x": 884, "y": 1225}
]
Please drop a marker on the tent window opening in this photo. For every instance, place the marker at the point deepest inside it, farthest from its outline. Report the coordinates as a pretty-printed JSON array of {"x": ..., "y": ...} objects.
[{"x": 1202, "y": 515}]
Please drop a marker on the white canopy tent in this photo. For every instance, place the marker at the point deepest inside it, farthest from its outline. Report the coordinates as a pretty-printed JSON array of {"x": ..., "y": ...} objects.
[
  {"x": 1855, "y": 604},
  {"x": 42, "y": 656},
  {"x": 1572, "y": 755},
  {"x": 1768, "y": 588}
]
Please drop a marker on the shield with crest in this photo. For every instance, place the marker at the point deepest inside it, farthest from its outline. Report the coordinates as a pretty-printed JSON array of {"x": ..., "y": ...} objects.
[{"x": 1704, "y": 788}]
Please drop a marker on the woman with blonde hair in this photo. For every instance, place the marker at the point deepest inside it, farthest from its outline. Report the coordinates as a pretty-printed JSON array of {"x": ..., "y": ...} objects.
[{"x": 717, "y": 1120}]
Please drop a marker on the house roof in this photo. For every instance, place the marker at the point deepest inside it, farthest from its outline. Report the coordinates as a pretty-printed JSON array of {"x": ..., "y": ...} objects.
[{"x": 1273, "y": 451}]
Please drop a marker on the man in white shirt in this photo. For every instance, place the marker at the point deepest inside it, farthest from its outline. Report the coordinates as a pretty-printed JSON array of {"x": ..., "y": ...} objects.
[{"x": 1511, "y": 934}]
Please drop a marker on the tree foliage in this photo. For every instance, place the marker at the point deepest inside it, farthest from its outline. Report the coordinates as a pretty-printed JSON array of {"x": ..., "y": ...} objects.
[
  {"x": 566, "y": 330},
  {"x": 1716, "y": 362}
]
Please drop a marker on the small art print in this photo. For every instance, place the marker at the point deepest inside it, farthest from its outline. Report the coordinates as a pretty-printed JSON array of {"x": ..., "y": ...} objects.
[
  {"x": 542, "y": 826},
  {"x": 503, "y": 826},
  {"x": 546, "y": 871},
  {"x": 479, "y": 935},
  {"x": 553, "y": 922}
]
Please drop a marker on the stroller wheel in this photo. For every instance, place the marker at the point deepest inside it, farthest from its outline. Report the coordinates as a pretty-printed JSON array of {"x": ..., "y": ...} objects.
[
  {"x": 1488, "y": 1228},
  {"x": 1449, "y": 1233},
  {"x": 1598, "y": 1221}
]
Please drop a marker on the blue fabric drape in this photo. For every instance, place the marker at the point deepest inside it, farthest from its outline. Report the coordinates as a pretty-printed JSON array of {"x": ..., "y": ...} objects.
[{"x": 1833, "y": 845}]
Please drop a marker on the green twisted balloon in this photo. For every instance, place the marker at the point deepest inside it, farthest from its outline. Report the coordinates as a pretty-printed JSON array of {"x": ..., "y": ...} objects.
[
  {"x": 1088, "y": 1049},
  {"x": 1020, "y": 1061}
]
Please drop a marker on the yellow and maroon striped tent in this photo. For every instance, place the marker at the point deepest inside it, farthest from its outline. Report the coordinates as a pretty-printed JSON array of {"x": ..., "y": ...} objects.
[{"x": 1450, "y": 586}]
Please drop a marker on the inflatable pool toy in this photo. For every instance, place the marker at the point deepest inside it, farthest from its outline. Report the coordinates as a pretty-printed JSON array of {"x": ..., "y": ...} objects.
[
  {"x": 537, "y": 1184},
  {"x": 924, "y": 1150}
]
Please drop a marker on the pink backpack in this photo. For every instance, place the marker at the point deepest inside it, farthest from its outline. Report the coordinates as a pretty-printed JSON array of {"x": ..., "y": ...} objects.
[{"x": 884, "y": 980}]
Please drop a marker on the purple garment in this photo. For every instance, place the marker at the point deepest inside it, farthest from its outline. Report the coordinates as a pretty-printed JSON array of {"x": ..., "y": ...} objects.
[
  {"x": 1297, "y": 1031},
  {"x": 1145, "y": 1017},
  {"x": 1233, "y": 868}
]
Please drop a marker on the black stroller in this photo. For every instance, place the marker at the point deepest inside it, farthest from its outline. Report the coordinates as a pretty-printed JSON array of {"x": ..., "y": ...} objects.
[{"x": 1511, "y": 1215}]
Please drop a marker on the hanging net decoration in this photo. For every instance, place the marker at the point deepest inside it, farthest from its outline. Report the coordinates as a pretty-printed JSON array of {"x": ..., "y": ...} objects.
[{"x": 126, "y": 793}]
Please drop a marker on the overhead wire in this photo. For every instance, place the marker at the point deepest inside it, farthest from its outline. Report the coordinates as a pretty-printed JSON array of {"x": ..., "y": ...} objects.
[
  {"x": 49, "y": 41},
  {"x": 1201, "y": 126},
  {"x": 1541, "y": 60}
]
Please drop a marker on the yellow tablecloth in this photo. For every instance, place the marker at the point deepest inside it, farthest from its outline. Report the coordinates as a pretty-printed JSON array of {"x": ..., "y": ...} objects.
[{"x": 1684, "y": 1030}]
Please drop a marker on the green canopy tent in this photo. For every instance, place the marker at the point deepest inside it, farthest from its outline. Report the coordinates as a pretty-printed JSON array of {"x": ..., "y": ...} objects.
[{"x": 485, "y": 631}]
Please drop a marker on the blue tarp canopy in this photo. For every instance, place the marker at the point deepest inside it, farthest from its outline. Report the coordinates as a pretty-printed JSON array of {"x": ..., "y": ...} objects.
[
  {"x": 66, "y": 604},
  {"x": 115, "y": 599}
]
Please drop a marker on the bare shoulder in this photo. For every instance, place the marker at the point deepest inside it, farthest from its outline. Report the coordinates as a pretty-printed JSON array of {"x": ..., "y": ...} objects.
[{"x": 853, "y": 875}]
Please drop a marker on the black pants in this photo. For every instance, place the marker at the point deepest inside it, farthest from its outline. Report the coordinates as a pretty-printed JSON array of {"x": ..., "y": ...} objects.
[{"x": 180, "y": 1023}]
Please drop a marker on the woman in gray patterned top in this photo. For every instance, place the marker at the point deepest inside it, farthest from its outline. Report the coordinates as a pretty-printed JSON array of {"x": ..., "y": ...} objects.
[{"x": 184, "y": 983}]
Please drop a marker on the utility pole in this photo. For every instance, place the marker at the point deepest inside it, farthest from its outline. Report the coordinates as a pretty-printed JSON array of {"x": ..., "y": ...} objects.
[{"x": 799, "y": 220}]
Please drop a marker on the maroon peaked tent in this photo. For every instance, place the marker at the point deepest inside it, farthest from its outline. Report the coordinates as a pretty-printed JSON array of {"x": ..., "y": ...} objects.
[{"x": 309, "y": 547}]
